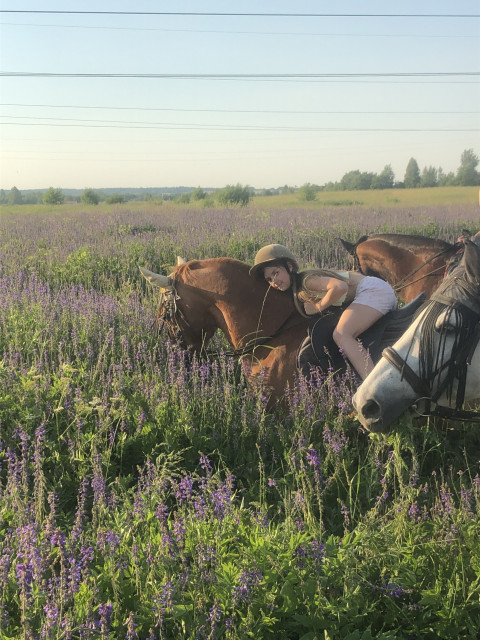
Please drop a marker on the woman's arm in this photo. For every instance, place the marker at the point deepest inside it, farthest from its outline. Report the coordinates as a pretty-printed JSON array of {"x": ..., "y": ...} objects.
[{"x": 334, "y": 289}]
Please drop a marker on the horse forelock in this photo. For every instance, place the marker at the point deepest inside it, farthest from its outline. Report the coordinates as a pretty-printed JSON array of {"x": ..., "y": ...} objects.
[{"x": 433, "y": 352}]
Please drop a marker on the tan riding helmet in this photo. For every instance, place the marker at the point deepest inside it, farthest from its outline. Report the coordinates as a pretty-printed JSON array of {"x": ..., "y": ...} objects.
[{"x": 271, "y": 253}]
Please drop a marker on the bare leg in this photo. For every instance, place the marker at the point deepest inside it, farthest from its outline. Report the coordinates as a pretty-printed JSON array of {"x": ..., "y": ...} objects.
[{"x": 356, "y": 319}]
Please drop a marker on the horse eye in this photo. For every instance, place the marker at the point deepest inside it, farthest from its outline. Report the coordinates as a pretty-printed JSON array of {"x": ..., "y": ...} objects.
[{"x": 446, "y": 323}]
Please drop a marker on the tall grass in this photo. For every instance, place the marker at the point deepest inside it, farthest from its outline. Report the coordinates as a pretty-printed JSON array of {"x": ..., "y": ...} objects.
[{"x": 146, "y": 494}]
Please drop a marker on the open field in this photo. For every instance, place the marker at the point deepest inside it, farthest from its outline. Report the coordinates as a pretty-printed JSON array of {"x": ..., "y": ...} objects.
[
  {"x": 381, "y": 198},
  {"x": 145, "y": 495}
]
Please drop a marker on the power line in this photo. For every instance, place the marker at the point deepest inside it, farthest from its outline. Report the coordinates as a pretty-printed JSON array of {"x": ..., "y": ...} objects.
[
  {"x": 247, "y": 14},
  {"x": 245, "y": 32},
  {"x": 240, "y": 76},
  {"x": 220, "y": 128},
  {"x": 266, "y": 111}
]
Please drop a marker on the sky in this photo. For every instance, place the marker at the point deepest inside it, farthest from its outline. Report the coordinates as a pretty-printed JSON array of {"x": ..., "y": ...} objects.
[{"x": 100, "y": 99}]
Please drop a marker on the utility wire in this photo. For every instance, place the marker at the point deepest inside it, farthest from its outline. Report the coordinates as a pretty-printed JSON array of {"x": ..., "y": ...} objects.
[
  {"x": 237, "y": 14},
  {"x": 268, "y": 111},
  {"x": 220, "y": 128},
  {"x": 240, "y": 76},
  {"x": 244, "y": 32}
]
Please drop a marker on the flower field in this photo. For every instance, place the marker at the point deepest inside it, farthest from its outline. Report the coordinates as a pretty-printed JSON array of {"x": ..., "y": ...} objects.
[{"x": 148, "y": 495}]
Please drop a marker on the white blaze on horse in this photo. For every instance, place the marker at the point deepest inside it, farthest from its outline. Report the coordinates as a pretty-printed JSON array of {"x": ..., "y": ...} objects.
[{"x": 435, "y": 365}]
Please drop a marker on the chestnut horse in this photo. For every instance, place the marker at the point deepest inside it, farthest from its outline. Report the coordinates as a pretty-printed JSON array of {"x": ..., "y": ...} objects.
[
  {"x": 260, "y": 322},
  {"x": 411, "y": 264}
]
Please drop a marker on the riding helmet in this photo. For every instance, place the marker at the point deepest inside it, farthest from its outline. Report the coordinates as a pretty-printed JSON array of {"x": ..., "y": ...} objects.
[{"x": 272, "y": 253}]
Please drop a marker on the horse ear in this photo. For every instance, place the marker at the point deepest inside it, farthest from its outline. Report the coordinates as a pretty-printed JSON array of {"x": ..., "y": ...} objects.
[
  {"x": 155, "y": 279},
  {"x": 180, "y": 261},
  {"x": 348, "y": 246}
]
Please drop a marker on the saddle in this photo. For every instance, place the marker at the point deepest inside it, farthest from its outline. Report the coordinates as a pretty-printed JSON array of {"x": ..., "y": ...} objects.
[{"x": 319, "y": 349}]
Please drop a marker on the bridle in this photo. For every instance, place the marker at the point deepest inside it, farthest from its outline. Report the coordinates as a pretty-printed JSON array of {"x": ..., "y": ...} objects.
[
  {"x": 168, "y": 313},
  {"x": 424, "y": 387}
]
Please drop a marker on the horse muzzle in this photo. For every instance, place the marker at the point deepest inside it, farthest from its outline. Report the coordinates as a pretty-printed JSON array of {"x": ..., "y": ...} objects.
[
  {"x": 369, "y": 413},
  {"x": 376, "y": 416}
]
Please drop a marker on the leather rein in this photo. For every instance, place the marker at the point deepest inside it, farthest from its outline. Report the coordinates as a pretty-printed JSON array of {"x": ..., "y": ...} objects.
[{"x": 401, "y": 284}]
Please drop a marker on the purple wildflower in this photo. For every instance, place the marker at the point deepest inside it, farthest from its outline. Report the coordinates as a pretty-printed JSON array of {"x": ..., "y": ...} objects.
[
  {"x": 163, "y": 602},
  {"x": 334, "y": 441},
  {"x": 105, "y": 613},
  {"x": 131, "y": 627},
  {"x": 242, "y": 592}
]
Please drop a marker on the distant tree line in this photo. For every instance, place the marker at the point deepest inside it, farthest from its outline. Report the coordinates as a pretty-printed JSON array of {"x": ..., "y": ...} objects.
[
  {"x": 466, "y": 175},
  {"x": 239, "y": 195}
]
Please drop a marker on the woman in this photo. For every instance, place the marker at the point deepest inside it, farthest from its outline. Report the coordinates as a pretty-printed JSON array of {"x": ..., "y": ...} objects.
[{"x": 365, "y": 299}]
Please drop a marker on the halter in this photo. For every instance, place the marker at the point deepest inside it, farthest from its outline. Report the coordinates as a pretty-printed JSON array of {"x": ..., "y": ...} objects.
[{"x": 424, "y": 387}]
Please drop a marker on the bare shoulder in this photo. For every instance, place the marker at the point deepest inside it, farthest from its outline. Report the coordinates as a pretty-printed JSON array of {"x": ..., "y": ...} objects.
[{"x": 316, "y": 282}]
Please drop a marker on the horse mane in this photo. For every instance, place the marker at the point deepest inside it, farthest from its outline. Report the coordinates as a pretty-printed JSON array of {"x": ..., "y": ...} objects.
[
  {"x": 188, "y": 270},
  {"x": 411, "y": 242},
  {"x": 456, "y": 297},
  {"x": 193, "y": 265}
]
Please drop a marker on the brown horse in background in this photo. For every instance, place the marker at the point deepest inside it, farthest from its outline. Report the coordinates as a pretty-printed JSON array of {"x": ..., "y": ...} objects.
[
  {"x": 411, "y": 264},
  {"x": 260, "y": 322}
]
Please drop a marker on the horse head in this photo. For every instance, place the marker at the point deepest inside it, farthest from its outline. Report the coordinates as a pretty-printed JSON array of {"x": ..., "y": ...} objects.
[
  {"x": 200, "y": 296},
  {"x": 183, "y": 312},
  {"x": 261, "y": 323},
  {"x": 435, "y": 366}
]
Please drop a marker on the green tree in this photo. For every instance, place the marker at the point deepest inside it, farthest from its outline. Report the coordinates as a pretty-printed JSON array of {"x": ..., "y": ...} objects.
[
  {"x": 412, "y": 174},
  {"x": 53, "y": 196},
  {"x": 446, "y": 179},
  {"x": 234, "y": 194},
  {"x": 89, "y": 196},
  {"x": 183, "y": 198},
  {"x": 199, "y": 194},
  {"x": 3, "y": 196},
  {"x": 308, "y": 192},
  {"x": 429, "y": 177},
  {"x": 356, "y": 180},
  {"x": 467, "y": 174},
  {"x": 385, "y": 179},
  {"x": 15, "y": 196},
  {"x": 115, "y": 198}
]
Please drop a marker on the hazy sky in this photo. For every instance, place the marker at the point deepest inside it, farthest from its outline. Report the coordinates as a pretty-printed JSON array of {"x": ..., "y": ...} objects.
[{"x": 307, "y": 98}]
